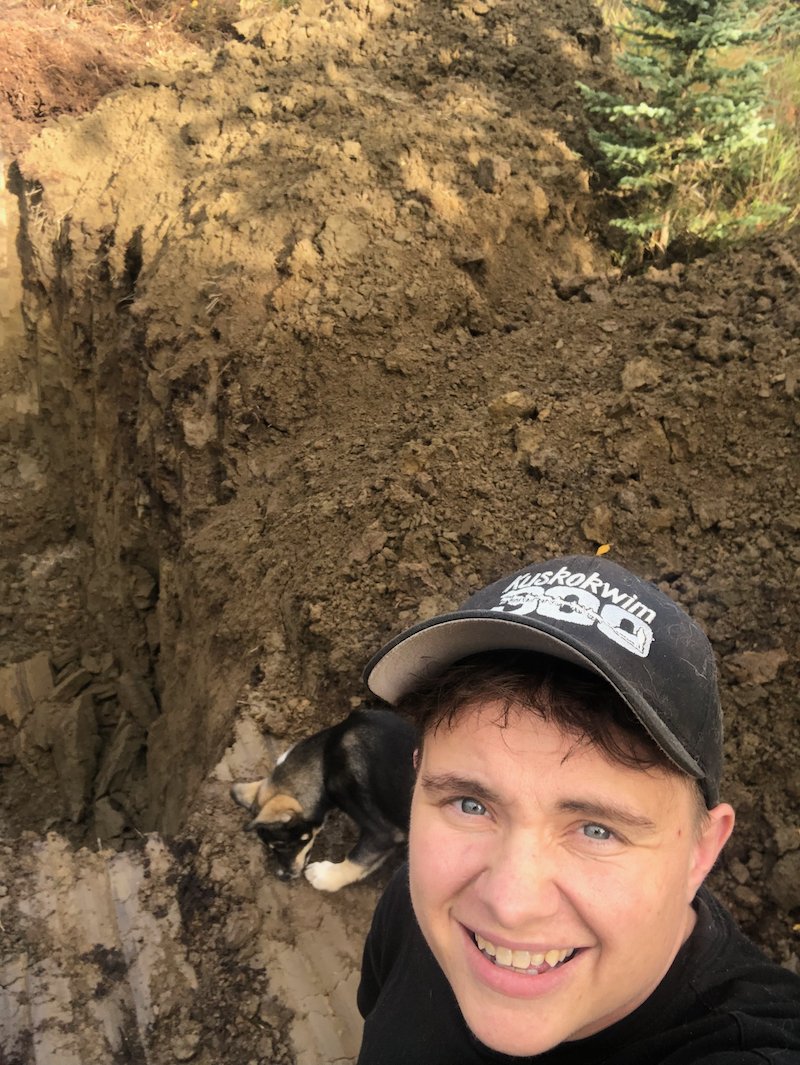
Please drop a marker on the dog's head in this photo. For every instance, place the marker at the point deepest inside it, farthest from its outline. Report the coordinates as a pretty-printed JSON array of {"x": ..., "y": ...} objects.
[{"x": 280, "y": 824}]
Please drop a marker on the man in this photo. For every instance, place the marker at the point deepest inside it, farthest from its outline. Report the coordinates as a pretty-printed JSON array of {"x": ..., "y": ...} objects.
[{"x": 564, "y": 817}]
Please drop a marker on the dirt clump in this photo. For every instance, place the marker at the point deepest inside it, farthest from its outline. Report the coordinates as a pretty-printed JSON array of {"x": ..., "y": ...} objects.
[{"x": 320, "y": 336}]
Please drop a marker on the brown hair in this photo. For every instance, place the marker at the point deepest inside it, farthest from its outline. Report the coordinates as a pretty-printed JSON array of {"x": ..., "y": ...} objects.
[{"x": 576, "y": 701}]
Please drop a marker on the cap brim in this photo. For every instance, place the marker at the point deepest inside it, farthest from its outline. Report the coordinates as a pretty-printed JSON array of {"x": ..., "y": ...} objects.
[{"x": 421, "y": 652}]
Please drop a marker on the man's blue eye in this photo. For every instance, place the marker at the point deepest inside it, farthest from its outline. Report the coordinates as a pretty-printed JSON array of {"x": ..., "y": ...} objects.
[
  {"x": 597, "y": 832},
  {"x": 472, "y": 806}
]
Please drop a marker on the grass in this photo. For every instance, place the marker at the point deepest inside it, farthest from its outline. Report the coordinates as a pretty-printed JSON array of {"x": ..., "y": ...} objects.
[
  {"x": 780, "y": 172},
  {"x": 200, "y": 20}
]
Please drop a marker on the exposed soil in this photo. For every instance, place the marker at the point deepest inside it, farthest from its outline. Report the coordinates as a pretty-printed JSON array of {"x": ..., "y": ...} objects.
[{"x": 319, "y": 333}]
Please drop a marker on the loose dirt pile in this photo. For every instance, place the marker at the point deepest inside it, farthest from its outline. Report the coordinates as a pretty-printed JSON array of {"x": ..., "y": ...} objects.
[{"x": 319, "y": 337}]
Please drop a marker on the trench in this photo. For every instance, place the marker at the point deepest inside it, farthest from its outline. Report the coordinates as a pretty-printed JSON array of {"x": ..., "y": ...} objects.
[
  {"x": 236, "y": 277},
  {"x": 109, "y": 673},
  {"x": 122, "y": 689}
]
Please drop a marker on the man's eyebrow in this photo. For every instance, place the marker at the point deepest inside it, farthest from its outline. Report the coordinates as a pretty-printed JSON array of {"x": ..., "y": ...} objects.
[
  {"x": 452, "y": 784},
  {"x": 606, "y": 811}
]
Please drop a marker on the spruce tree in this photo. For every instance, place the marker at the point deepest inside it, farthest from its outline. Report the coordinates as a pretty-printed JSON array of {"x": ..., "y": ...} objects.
[{"x": 683, "y": 153}]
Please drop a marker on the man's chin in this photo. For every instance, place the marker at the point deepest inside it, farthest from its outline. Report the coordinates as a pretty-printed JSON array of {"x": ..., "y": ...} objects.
[
  {"x": 510, "y": 1027},
  {"x": 508, "y": 1041}
]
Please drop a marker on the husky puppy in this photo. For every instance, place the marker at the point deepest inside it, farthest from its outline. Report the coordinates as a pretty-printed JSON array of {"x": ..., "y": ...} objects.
[{"x": 364, "y": 766}]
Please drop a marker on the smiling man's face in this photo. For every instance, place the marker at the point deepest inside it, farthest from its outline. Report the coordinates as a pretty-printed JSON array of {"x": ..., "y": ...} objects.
[{"x": 553, "y": 886}]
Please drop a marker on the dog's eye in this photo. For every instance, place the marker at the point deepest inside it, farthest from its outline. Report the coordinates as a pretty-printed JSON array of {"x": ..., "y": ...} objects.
[{"x": 305, "y": 836}]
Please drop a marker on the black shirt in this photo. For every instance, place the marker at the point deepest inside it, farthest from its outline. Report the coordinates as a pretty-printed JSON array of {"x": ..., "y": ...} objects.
[{"x": 722, "y": 1002}]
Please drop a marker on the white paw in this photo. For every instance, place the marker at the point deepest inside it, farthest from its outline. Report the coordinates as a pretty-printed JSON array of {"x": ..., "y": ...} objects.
[{"x": 330, "y": 876}]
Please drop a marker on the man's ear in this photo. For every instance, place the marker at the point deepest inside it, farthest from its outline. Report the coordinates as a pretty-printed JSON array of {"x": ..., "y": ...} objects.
[
  {"x": 416, "y": 759},
  {"x": 713, "y": 834}
]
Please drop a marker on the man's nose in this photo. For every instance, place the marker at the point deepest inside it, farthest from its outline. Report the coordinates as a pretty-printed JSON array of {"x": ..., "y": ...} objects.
[{"x": 520, "y": 883}]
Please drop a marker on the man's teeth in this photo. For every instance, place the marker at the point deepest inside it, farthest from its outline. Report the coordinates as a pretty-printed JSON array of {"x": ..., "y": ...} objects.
[{"x": 522, "y": 959}]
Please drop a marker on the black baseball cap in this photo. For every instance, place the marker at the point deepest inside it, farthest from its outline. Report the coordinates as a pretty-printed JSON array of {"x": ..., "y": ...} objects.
[{"x": 596, "y": 614}]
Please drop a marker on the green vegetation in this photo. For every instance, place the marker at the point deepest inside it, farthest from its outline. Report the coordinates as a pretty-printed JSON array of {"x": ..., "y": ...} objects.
[{"x": 704, "y": 148}]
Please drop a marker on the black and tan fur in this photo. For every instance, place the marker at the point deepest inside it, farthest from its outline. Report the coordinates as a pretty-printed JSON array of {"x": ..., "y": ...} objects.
[{"x": 364, "y": 766}]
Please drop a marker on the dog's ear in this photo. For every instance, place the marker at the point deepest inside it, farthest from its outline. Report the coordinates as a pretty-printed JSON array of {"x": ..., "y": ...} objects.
[
  {"x": 279, "y": 808},
  {"x": 254, "y": 794}
]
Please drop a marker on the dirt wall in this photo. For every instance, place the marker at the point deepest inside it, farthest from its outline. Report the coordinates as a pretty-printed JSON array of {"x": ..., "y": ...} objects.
[{"x": 192, "y": 331}]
